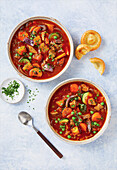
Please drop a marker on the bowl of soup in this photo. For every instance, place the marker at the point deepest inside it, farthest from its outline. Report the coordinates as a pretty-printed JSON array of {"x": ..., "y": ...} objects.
[
  {"x": 78, "y": 111},
  {"x": 40, "y": 49}
]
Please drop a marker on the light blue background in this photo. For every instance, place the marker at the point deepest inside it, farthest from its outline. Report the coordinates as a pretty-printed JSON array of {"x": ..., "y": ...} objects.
[{"x": 20, "y": 147}]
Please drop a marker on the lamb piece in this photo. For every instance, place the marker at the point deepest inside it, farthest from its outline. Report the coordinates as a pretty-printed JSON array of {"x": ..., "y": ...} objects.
[
  {"x": 43, "y": 48},
  {"x": 98, "y": 107},
  {"x": 86, "y": 116},
  {"x": 72, "y": 122},
  {"x": 59, "y": 109},
  {"x": 61, "y": 62},
  {"x": 73, "y": 104},
  {"x": 60, "y": 103},
  {"x": 91, "y": 101},
  {"x": 84, "y": 87},
  {"x": 52, "y": 53}
]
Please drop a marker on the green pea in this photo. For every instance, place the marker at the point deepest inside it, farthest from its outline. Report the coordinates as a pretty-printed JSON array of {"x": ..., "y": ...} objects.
[
  {"x": 56, "y": 121},
  {"x": 95, "y": 97},
  {"x": 53, "y": 59},
  {"x": 97, "y": 94},
  {"x": 76, "y": 98},
  {"x": 63, "y": 129},
  {"x": 31, "y": 38},
  {"x": 94, "y": 131},
  {"x": 55, "y": 37},
  {"x": 80, "y": 120},
  {"x": 73, "y": 118},
  {"x": 102, "y": 103},
  {"x": 91, "y": 112},
  {"x": 60, "y": 132},
  {"x": 95, "y": 123},
  {"x": 30, "y": 57},
  {"x": 30, "y": 53},
  {"x": 72, "y": 112},
  {"x": 79, "y": 113},
  {"x": 68, "y": 95},
  {"x": 68, "y": 136}
]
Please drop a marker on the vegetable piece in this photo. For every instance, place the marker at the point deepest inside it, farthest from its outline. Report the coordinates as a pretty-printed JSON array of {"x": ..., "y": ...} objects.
[
  {"x": 65, "y": 120},
  {"x": 83, "y": 126},
  {"x": 98, "y": 107},
  {"x": 38, "y": 57},
  {"x": 54, "y": 34},
  {"x": 84, "y": 87},
  {"x": 37, "y": 40},
  {"x": 43, "y": 27},
  {"x": 50, "y": 27},
  {"x": 35, "y": 72},
  {"x": 91, "y": 101},
  {"x": 60, "y": 56},
  {"x": 85, "y": 97},
  {"x": 46, "y": 40},
  {"x": 47, "y": 67},
  {"x": 96, "y": 117},
  {"x": 27, "y": 66},
  {"x": 43, "y": 48},
  {"x": 54, "y": 112},
  {"x": 83, "y": 108},
  {"x": 66, "y": 111},
  {"x": 21, "y": 50},
  {"x": 32, "y": 28},
  {"x": 52, "y": 53},
  {"x": 68, "y": 100},
  {"x": 88, "y": 125},
  {"x": 22, "y": 35},
  {"x": 66, "y": 50},
  {"x": 31, "y": 49},
  {"x": 35, "y": 30},
  {"x": 60, "y": 102},
  {"x": 29, "y": 41},
  {"x": 98, "y": 64},
  {"x": 43, "y": 35},
  {"x": 36, "y": 65},
  {"x": 61, "y": 62},
  {"x": 74, "y": 88},
  {"x": 75, "y": 130},
  {"x": 24, "y": 61},
  {"x": 81, "y": 50}
]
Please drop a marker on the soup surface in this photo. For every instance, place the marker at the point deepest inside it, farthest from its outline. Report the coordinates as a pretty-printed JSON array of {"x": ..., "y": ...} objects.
[
  {"x": 40, "y": 49},
  {"x": 77, "y": 111}
]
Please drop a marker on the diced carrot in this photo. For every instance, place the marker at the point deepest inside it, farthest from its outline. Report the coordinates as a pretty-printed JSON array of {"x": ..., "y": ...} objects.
[
  {"x": 37, "y": 40},
  {"x": 98, "y": 107},
  {"x": 83, "y": 126},
  {"x": 27, "y": 66},
  {"x": 66, "y": 111},
  {"x": 60, "y": 103},
  {"x": 74, "y": 88},
  {"x": 31, "y": 49},
  {"x": 21, "y": 50},
  {"x": 32, "y": 28},
  {"x": 46, "y": 40},
  {"x": 37, "y": 57},
  {"x": 22, "y": 35},
  {"x": 35, "y": 72},
  {"x": 96, "y": 117},
  {"x": 60, "y": 56},
  {"x": 35, "y": 30},
  {"x": 36, "y": 65}
]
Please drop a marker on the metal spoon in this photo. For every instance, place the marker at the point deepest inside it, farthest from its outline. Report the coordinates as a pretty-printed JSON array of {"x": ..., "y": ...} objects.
[{"x": 26, "y": 119}]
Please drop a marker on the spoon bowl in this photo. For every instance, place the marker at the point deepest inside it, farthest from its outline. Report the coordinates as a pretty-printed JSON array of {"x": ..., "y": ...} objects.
[{"x": 25, "y": 118}]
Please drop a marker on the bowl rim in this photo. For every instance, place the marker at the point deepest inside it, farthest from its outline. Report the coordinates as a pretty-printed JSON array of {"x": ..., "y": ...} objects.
[
  {"x": 108, "y": 117},
  {"x": 62, "y": 27}
]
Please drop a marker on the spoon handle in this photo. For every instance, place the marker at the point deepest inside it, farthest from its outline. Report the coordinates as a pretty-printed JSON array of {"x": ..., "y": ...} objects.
[{"x": 50, "y": 144}]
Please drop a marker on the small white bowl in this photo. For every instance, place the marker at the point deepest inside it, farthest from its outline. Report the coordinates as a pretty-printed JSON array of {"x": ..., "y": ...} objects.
[
  {"x": 16, "y": 98},
  {"x": 107, "y": 117},
  {"x": 62, "y": 27}
]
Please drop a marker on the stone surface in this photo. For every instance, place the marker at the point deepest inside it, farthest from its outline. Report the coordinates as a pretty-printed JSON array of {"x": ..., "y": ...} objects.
[{"x": 20, "y": 147}]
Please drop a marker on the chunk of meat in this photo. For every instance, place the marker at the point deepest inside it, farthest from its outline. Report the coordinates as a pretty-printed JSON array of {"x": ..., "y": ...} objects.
[
  {"x": 31, "y": 49},
  {"x": 22, "y": 35},
  {"x": 21, "y": 50},
  {"x": 91, "y": 101},
  {"x": 83, "y": 126},
  {"x": 60, "y": 103},
  {"x": 66, "y": 111},
  {"x": 46, "y": 40},
  {"x": 50, "y": 27},
  {"x": 61, "y": 62},
  {"x": 72, "y": 122},
  {"x": 96, "y": 117},
  {"x": 36, "y": 65},
  {"x": 38, "y": 57},
  {"x": 84, "y": 87},
  {"x": 37, "y": 40},
  {"x": 35, "y": 30},
  {"x": 43, "y": 48},
  {"x": 52, "y": 53},
  {"x": 86, "y": 116},
  {"x": 36, "y": 72},
  {"x": 74, "y": 88},
  {"x": 73, "y": 104},
  {"x": 75, "y": 130},
  {"x": 98, "y": 107}
]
